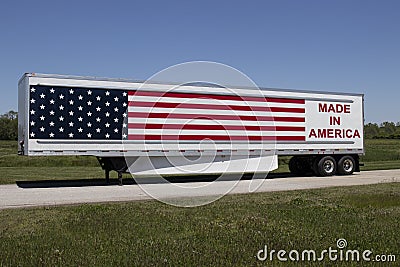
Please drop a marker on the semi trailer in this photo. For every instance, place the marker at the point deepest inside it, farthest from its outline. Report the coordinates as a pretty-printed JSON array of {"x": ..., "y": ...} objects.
[{"x": 149, "y": 128}]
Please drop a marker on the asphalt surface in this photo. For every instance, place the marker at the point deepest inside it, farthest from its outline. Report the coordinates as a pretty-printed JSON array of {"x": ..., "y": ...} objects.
[{"x": 52, "y": 193}]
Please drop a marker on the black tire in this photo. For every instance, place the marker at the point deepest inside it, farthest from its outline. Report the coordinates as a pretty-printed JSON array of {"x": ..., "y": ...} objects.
[
  {"x": 325, "y": 166},
  {"x": 346, "y": 165}
]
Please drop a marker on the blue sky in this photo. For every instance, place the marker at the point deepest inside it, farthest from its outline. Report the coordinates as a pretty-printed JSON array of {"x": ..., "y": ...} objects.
[{"x": 344, "y": 46}]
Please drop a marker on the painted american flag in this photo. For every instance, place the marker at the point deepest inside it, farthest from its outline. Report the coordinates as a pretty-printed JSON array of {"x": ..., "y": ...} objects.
[
  {"x": 77, "y": 113},
  {"x": 89, "y": 113}
]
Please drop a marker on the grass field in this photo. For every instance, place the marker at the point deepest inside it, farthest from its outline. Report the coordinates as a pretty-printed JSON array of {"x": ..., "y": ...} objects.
[
  {"x": 225, "y": 233},
  {"x": 380, "y": 154}
]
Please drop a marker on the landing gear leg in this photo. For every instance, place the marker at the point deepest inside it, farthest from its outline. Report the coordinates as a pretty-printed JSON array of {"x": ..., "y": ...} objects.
[
  {"x": 107, "y": 173},
  {"x": 120, "y": 178}
]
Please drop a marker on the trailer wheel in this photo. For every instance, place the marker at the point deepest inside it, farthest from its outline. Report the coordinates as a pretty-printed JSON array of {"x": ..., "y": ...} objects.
[
  {"x": 346, "y": 165},
  {"x": 326, "y": 166}
]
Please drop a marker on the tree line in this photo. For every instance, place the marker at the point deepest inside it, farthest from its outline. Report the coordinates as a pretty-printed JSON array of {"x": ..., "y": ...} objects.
[
  {"x": 9, "y": 126},
  {"x": 385, "y": 130}
]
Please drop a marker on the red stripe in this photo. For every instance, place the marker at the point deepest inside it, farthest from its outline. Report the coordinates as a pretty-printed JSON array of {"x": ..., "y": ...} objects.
[
  {"x": 219, "y": 97},
  {"x": 216, "y": 137},
  {"x": 218, "y": 107},
  {"x": 213, "y": 117},
  {"x": 215, "y": 127}
]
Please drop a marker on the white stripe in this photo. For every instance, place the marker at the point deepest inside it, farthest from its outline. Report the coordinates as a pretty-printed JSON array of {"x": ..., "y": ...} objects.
[
  {"x": 210, "y": 132},
  {"x": 153, "y": 99},
  {"x": 214, "y": 122},
  {"x": 213, "y": 112}
]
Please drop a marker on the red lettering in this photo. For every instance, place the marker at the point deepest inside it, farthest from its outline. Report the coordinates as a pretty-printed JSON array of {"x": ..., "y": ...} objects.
[
  {"x": 330, "y": 133},
  {"x": 322, "y": 107},
  {"x": 321, "y": 133},
  {"x": 334, "y": 133},
  {"x": 312, "y": 134},
  {"x": 338, "y": 133},
  {"x": 346, "y": 108},
  {"x": 338, "y": 108},
  {"x": 349, "y": 133}
]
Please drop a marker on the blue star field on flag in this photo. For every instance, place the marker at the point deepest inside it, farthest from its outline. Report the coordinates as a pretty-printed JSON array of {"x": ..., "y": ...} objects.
[{"x": 77, "y": 113}]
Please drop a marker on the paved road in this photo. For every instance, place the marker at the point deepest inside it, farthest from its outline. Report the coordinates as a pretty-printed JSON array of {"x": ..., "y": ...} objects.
[{"x": 69, "y": 192}]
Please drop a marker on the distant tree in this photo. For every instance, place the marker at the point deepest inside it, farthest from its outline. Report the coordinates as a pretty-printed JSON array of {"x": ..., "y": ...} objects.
[
  {"x": 9, "y": 126},
  {"x": 371, "y": 130},
  {"x": 388, "y": 128}
]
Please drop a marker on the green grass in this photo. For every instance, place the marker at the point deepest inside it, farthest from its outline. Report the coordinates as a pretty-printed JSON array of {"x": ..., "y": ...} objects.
[
  {"x": 225, "y": 233},
  {"x": 380, "y": 154}
]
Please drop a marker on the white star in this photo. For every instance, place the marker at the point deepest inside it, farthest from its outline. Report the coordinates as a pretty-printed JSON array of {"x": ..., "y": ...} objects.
[
  {"x": 42, "y": 118},
  {"x": 107, "y": 135},
  {"x": 61, "y": 118},
  {"x": 124, "y": 136},
  {"x": 115, "y": 130},
  {"x": 98, "y": 109},
  {"x": 52, "y": 101},
  {"x": 124, "y": 125},
  {"x": 107, "y": 114},
  {"x": 124, "y": 104},
  {"x": 42, "y": 106},
  {"x": 89, "y": 124},
  {"x": 61, "y": 107},
  {"x": 107, "y": 93},
  {"x": 124, "y": 115},
  {"x": 98, "y": 119},
  {"x": 61, "y": 96},
  {"x": 107, "y": 104},
  {"x": 89, "y": 135},
  {"x": 116, "y": 99},
  {"x": 98, "y": 98},
  {"x": 80, "y": 108},
  {"x": 89, "y": 114},
  {"x": 33, "y": 101},
  {"x": 32, "y": 112},
  {"x": 32, "y": 123},
  {"x": 61, "y": 129},
  {"x": 80, "y": 119},
  {"x": 89, "y": 103},
  {"x": 71, "y": 102},
  {"x": 51, "y": 124},
  {"x": 107, "y": 125},
  {"x": 116, "y": 109},
  {"x": 51, "y": 135},
  {"x": 32, "y": 134},
  {"x": 80, "y": 130},
  {"x": 33, "y": 90},
  {"x": 124, "y": 93},
  {"x": 116, "y": 119},
  {"x": 42, "y": 129},
  {"x": 52, "y": 90},
  {"x": 71, "y": 113},
  {"x": 80, "y": 97},
  {"x": 51, "y": 112},
  {"x": 71, "y": 135},
  {"x": 89, "y": 92},
  {"x": 98, "y": 130},
  {"x": 42, "y": 95},
  {"x": 71, "y": 124},
  {"x": 71, "y": 91}
]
